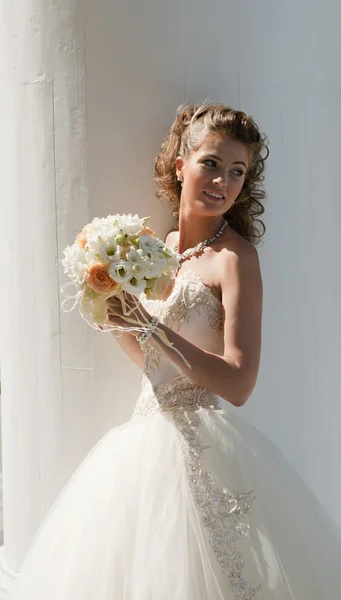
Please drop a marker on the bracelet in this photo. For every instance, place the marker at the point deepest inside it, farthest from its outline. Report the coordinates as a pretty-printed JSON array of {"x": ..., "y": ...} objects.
[{"x": 145, "y": 335}]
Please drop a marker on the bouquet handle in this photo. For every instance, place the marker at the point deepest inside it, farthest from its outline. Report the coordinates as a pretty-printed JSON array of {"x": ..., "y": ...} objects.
[
  {"x": 132, "y": 314},
  {"x": 143, "y": 324}
]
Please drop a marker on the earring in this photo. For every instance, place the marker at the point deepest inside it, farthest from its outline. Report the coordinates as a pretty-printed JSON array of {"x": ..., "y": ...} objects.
[{"x": 179, "y": 178}]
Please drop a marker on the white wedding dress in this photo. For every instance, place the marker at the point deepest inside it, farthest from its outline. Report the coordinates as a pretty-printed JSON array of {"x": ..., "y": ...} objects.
[{"x": 186, "y": 501}]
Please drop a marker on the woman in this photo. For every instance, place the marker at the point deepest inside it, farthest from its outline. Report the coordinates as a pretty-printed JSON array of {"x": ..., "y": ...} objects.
[{"x": 186, "y": 501}]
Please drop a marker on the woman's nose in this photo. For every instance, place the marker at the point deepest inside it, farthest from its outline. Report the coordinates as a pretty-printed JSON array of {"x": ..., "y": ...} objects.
[{"x": 220, "y": 180}]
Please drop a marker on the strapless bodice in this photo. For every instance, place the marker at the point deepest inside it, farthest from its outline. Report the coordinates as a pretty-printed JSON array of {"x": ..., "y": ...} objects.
[
  {"x": 191, "y": 310},
  {"x": 195, "y": 313}
]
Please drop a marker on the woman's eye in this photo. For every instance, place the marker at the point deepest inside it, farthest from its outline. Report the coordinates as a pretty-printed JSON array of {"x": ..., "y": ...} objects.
[
  {"x": 239, "y": 172},
  {"x": 213, "y": 162}
]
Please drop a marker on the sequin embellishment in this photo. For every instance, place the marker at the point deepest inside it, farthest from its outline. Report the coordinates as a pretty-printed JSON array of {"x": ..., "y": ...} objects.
[
  {"x": 193, "y": 295},
  {"x": 151, "y": 358},
  {"x": 181, "y": 393},
  {"x": 223, "y": 513},
  {"x": 189, "y": 293}
]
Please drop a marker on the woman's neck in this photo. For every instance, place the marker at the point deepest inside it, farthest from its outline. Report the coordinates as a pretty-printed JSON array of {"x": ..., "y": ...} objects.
[{"x": 193, "y": 230}]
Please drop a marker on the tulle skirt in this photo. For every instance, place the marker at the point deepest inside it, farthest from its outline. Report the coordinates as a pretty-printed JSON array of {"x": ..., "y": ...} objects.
[{"x": 184, "y": 505}]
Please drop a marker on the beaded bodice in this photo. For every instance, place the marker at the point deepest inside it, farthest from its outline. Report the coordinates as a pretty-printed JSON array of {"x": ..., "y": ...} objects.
[{"x": 196, "y": 314}]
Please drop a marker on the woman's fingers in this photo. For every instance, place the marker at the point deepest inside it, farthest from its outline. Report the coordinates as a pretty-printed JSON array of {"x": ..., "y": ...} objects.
[
  {"x": 130, "y": 298},
  {"x": 114, "y": 319},
  {"x": 113, "y": 301},
  {"x": 129, "y": 307},
  {"x": 113, "y": 311}
]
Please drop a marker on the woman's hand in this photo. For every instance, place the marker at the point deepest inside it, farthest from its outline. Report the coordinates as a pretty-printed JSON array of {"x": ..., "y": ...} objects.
[{"x": 116, "y": 315}]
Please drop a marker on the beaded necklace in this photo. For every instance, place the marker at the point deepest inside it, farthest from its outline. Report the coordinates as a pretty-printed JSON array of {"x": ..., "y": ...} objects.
[{"x": 199, "y": 248}]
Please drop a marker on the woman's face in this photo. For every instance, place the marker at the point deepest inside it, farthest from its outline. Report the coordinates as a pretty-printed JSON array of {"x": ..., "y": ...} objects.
[{"x": 217, "y": 167}]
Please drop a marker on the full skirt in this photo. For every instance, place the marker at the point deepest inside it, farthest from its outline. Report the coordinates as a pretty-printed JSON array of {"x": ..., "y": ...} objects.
[{"x": 184, "y": 505}]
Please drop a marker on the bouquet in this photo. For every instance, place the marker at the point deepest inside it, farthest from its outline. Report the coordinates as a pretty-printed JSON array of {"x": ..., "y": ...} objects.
[{"x": 113, "y": 256}]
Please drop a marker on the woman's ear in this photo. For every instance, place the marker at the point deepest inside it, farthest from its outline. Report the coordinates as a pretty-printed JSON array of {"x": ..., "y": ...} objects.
[{"x": 179, "y": 163}]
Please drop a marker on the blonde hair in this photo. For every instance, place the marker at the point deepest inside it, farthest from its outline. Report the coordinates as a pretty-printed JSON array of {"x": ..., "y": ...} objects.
[{"x": 191, "y": 123}]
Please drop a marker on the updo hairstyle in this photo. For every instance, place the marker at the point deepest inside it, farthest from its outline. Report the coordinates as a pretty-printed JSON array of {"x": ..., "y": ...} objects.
[{"x": 191, "y": 124}]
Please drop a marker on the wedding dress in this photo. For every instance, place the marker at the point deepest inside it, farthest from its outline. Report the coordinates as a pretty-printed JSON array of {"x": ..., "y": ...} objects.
[{"x": 186, "y": 501}]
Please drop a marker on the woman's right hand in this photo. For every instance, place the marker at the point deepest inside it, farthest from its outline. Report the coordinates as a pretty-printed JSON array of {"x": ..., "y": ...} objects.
[
  {"x": 128, "y": 343},
  {"x": 115, "y": 312}
]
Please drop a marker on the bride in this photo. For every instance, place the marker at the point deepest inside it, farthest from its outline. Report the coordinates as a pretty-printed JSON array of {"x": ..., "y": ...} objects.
[{"x": 186, "y": 501}]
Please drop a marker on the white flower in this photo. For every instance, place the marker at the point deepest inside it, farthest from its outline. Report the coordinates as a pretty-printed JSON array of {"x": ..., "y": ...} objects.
[
  {"x": 172, "y": 263},
  {"x": 155, "y": 267},
  {"x": 91, "y": 256},
  {"x": 74, "y": 262},
  {"x": 120, "y": 272},
  {"x": 148, "y": 244},
  {"x": 131, "y": 224},
  {"x": 95, "y": 223},
  {"x": 134, "y": 285},
  {"x": 136, "y": 256},
  {"x": 109, "y": 252},
  {"x": 94, "y": 243},
  {"x": 102, "y": 229},
  {"x": 139, "y": 269}
]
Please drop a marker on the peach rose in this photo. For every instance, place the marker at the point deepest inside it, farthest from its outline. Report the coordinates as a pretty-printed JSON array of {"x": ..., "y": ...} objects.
[
  {"x": 146, "y": 231},
  {"x": 81, "y": 239},
  {"x": 98, "y": 278},
  {"x": 162, "y": 288}
]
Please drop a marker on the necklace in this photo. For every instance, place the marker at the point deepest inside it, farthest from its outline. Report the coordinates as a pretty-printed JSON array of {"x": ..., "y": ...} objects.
[{"x": 199, "y": 248}]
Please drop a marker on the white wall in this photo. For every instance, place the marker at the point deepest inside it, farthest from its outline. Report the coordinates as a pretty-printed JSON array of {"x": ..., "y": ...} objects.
[
  {"x": 112, "y": 75},
  {"x": 289, "y": 78},
  {"x": 279, "y": 62}
]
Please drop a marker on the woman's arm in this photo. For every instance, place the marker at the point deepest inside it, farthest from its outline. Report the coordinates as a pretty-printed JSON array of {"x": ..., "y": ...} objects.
[
  {"x": 232, "y": 376},
  {"x": 127, "y": 341},
  {"x": 130, "y": 347}
]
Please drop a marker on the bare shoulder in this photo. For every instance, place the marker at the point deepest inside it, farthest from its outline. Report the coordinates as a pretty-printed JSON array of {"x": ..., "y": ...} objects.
[
  {"x": 238, "y": 275},
  {"x": 238, "y": 253}
]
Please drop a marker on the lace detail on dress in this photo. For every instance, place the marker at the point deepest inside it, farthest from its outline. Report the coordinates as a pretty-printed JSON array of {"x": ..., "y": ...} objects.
[
  {"x": 151, "y": 358},
  {"x": 189, "y": 293},
  {"x": 223, "y": 513},
  {"x": 194, "y": 294},
  {"x": 180, "y": 393}
]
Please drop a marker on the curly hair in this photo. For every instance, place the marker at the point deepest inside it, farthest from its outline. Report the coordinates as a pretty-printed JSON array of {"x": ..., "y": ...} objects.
[{"x": 192, "y": 121}]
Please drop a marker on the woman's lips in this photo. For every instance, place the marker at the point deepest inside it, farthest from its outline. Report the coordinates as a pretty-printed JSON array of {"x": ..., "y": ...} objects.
[{"x": 208, "y": 195}]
